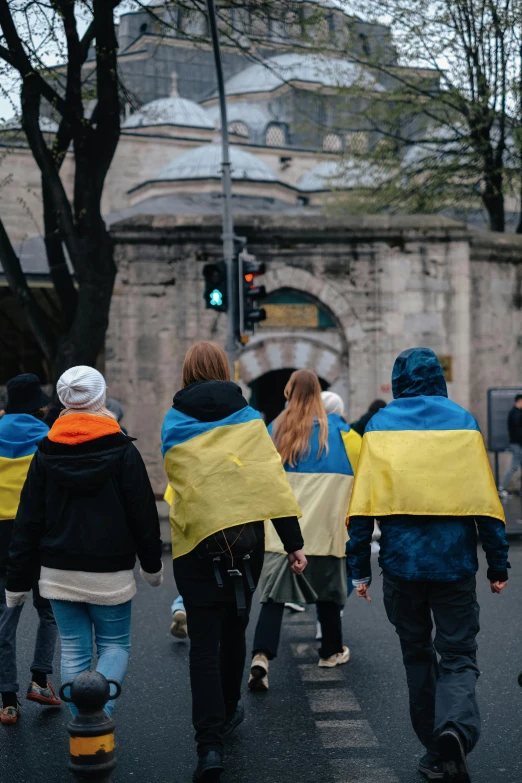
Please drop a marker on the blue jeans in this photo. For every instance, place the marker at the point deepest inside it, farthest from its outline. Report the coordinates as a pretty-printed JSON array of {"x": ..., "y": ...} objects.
[
  {"x": 516, "y": 463},
  {"x": 178, "y": 605},
  {"x": 46, "y": 636},
  {"x": 111, "y": 625}
]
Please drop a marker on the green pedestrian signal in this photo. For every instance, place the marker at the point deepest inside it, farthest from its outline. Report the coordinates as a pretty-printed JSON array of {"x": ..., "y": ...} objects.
[{"x": 215, "y": 294}]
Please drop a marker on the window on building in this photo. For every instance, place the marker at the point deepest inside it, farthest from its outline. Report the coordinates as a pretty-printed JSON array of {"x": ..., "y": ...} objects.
[
  {"x": 144, "y": 27},
  {"x": 275, "y": 135},
  {"x": 357, "y": 142},
  {"x": 241, "y": 128},
  {"x": 332, "y": 142},
  {"x": 365, "y": 44}
]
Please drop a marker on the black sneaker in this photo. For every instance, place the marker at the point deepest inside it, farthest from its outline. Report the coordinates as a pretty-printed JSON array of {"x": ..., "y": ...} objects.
[
  {"x": 237, "y": 718},
  {"x": 210, "y": 767},
  {"x": 453, "y": 757},
  {"x": 430, "y": 766}
]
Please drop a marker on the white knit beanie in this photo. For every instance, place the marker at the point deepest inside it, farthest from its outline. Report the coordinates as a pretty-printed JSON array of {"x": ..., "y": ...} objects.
[
  {"x": 82, "y": 388},
  {"x": 332, "y": 402}
]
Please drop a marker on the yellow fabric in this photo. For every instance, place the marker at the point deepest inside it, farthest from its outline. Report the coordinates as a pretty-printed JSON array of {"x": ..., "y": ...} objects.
[
  {"x": 13, "y": 473},
  {"x": 168, "y": 497},
  {"x": 224, "y": 477},
  {"x": 324, "y": 499},
  {"x": 352, "y": 443},
  {"x": 433, "y": 472}
]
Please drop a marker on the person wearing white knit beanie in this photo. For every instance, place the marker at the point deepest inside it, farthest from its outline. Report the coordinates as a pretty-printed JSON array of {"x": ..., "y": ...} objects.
[
  {"x": 332, "y": 403},
  {"x": 82, "y": 388}
]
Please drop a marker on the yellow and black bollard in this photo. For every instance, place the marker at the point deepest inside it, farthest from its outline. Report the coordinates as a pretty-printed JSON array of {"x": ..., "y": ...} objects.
[{"x": 91, "y": 730}]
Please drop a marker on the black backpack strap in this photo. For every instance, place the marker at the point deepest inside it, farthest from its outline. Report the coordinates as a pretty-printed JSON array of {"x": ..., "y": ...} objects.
[
  {"x": 248, "y": 574},
  {"x": 239, "y": 589},
  {"x": 217, "y": 572}
]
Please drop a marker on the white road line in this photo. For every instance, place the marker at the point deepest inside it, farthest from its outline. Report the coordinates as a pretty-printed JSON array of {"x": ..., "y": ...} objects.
[
  {"x": 310, "y": 672},
  {"x": 301, "y": 631},
  {"x": 346, "y": 734},
  {"x": 333, "y": 700},
  {"x": 305, "y": 650},
  {"x": 361, "y": 771}
]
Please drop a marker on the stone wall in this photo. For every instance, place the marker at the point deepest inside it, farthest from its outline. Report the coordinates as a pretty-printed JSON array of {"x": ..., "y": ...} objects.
[{"x": 389, "y": 283}]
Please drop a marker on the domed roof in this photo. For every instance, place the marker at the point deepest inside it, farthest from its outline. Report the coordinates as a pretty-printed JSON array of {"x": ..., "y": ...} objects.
[
  {"x": 15, "y": 123},
  {"x": 309, "y": 68},
  {"x": 342, "y": 175},
  {"x": 255, "y": 115},
  {"x": 170, "y": 111},
  {"x": 206, "y": 163}
]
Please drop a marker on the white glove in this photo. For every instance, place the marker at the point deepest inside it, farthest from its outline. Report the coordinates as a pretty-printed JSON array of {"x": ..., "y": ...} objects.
[
  {"x": 154, "y": 580},
  {"x": 15, "y": 599}
]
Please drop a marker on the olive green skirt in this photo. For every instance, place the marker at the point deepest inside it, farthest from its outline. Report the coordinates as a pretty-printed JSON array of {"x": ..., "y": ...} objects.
[{"x": 324, "y": 579}]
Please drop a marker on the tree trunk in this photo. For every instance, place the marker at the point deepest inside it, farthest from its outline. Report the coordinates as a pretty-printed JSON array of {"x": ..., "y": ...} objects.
[{"x": 493, "y": 199}]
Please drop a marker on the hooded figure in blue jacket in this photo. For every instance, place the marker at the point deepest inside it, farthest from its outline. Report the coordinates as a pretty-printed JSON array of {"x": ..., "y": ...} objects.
[
  {"x": 21, "y": 429},
  {"x": 424, "y": 474}
]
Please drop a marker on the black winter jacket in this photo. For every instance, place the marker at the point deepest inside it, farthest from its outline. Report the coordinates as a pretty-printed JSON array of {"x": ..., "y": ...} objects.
[
  {"x": 85, "y": 507},
  {"x": 515, "y": 425}
]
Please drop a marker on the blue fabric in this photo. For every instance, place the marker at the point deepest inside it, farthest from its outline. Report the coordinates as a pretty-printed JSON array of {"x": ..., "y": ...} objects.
[
  {"x": 421, "y": 413},
  {"x": 333, "y": 460},
  {"x": 20, "y": 434},
  {"x": 178, "y": 605},
  {"x": 178, "y": 427},
  {"x": 112, "y": 624},
  {"x": 418, "y": 371}
]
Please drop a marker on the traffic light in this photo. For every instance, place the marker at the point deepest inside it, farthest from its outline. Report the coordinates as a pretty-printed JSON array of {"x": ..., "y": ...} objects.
[
  {"x": 250, "y": 293},
  {"x": 216, "y": 286}
]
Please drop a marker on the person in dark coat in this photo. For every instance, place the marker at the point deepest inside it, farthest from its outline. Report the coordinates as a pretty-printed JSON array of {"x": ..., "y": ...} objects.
[
  {"x": 424, "y": 475},
  {"x": 86, "y": 512},
  {"x": 360, "y": 425},
  {"x": 226, "y": 477},
  {"x": 514, "y": 423},
  {"x": 21, "y": 429}
]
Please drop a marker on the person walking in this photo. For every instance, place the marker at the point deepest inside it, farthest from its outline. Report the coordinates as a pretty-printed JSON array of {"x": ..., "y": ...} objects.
[
  {"x": 514, "y": 424},
  {"x": 21, "y": 428},
  {"x": 319, "y": 453},
  {"x": 87, "y": 509},
  {"x": 226, "y": 477},
  {"x": 424, "y": 474},
  {"x": 360, "y": 425}
]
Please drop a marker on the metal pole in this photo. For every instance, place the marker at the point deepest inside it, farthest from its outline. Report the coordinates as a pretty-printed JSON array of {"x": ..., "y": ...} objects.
[{"x": 228, "y": 224}]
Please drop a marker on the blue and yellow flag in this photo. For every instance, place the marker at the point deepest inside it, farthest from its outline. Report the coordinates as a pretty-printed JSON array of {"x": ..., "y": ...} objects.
[
  {"x": 322, "y": 486},
  {"x": 424, "y": 455},
  {"x": 19, "y": 437},
  {"x": 221, "y": 473}
]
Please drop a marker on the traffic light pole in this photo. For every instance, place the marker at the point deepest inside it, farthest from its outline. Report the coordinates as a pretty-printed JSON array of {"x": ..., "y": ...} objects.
[{"x": 228, "y": 224}]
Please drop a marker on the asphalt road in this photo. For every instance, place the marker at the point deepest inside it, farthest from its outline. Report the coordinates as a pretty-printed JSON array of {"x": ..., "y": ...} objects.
[{"x": 352, "y": 728}]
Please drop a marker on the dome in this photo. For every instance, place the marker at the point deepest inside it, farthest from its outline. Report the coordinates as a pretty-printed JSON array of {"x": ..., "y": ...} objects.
[
  {"x": 309, "y": 68},
  {"x": 343, "y": 175},
  {"x": 255, "y": 116},
  {"x": 15, "y": 123},
  {"x": 206, "y": 163},
  {"x": 170, "y": 111}
]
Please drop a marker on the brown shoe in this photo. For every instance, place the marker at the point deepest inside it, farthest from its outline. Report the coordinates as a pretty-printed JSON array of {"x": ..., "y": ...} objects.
[
  {"x": 9, "y": 715},
  {"x": 179, "y": 624}
]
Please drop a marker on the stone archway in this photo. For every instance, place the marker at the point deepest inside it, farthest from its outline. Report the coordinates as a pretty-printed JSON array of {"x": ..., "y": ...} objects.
[{"x": 289, "y": 350}]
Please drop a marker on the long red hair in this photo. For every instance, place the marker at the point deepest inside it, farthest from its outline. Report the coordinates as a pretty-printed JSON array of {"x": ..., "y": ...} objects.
[{"x": 293, "y": 427}]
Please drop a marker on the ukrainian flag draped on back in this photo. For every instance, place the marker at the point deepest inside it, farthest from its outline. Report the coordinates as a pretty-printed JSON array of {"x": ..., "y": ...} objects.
[
  {"x": 322, "y": 486},
  {"x": 19, "y": 437},
  {"x": 221, "y": 473},
  {"x": 423, "y": 454}
]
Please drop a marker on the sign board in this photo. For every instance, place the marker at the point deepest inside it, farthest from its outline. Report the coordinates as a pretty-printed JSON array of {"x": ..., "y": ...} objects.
[
  {"x": 292, "y": 315},
  {"x": 500, "y": 402},
  {"x": 447, "y": 367}
]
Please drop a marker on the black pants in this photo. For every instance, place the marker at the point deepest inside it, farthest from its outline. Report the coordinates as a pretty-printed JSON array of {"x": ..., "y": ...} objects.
[
  {"x": 217, "y": 662},
  {"x": 268, "y": 630},
  {"x": 442, "y": 693}
]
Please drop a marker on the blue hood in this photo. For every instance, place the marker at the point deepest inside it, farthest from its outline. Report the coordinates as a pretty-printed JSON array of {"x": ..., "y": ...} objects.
[
  {"x": 20, "y": 434},
  {"x": 417, "y": 372}
]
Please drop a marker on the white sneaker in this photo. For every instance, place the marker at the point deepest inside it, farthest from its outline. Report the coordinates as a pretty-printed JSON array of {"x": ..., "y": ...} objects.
[
  {"x": 335, "y": 660},
  {"x": 503, "y": 492},
  {"x": 258, "y": 680},
  {"x": 318, "y": 631},
  {"x": 179, "y": 624},
  {"x": 294, "y": 607}
]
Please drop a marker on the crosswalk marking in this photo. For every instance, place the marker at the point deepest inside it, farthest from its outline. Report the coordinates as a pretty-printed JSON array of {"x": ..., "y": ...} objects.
[
  {"x": 333, "y": 700},
  {"x": 301, "y": 631},
  {"x": 310, "y": 672},
  {"x": 361, "y": 771},
  {"x": 346, "y": 734},
  {"x": 304, "y": 650}
]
